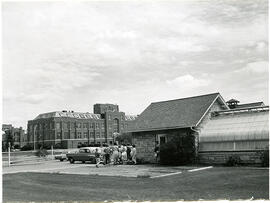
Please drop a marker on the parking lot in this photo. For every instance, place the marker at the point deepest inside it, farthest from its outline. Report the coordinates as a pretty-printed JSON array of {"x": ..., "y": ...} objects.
[
  {"x": 52, "y": 180},
  {"x": 55, "y": 166}
]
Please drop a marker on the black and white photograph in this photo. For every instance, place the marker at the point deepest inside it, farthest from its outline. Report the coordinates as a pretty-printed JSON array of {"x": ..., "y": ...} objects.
[{"x": 133, "y": 101}]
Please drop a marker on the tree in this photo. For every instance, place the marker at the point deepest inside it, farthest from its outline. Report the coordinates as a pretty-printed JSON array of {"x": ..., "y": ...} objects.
[
  {"x": 9, "y": 139},
  {"x": 124, "y": 138},
  {"x": 179, "y": 150}
]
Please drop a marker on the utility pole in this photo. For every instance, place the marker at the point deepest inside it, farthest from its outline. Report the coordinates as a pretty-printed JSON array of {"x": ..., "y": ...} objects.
[{"x": 9, "y": 154}]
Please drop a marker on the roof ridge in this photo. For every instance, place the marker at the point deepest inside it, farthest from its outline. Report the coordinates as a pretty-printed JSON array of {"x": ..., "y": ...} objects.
[
  {"x": 186, "y": 98},
  {"x": 251, "y": 103}
]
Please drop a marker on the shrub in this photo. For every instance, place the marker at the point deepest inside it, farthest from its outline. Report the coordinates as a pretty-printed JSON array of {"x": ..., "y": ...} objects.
[
  {"x": 264, "y": 156},
  {"x": 41, "y": 153},
  {"x": 26, "y": 147},
  {"x": 16, "y": 146},
  {"x": 179, "y": 150},
  {"x": 233, "y": 160},
  {"x": 58, "y": 146}
]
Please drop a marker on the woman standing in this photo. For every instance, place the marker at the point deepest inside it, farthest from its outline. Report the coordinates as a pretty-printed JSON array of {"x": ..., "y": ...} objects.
[{"x": 133, "y": 154}]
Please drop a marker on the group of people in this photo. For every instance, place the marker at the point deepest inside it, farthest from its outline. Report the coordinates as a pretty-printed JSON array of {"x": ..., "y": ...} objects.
[{"x": 117, "y": 154}]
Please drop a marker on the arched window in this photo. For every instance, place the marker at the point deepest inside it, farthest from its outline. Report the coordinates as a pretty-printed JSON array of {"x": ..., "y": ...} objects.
[{"x": 116, "y": 125}]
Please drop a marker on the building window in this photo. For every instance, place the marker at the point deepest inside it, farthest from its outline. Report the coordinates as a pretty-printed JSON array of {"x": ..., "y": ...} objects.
[
  {"x": 57, "y": 126},
  {"x": 91, "y": 125},
  {"x": 110, "y": 117},
  {"x": 58, "y": 135},
  {"x": 65, "y": 125},
  {"x": 79, "y": 135},
  {"x": 65, "y": 135},
  {"x": 122, "y": 126},
  {"x": 97, "y": 125},
  {"x": 102, "y": 134},
  {"x": 122, "y": 118},
  {"x": 91, "y": 134},
  {"x": 85, "y": 134},
  {"x": 102, "y": 125},
  {"x": 97, "y": 134},
  {"x": 85, "y": 125},
  {"x": 110, "y": 126},
  {"x": 79, "y": 125},
  {"x": 72, "y": 135},
  {"x": 116, "y": 125}
]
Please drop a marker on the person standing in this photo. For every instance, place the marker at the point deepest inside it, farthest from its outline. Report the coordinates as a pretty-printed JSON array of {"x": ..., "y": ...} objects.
[
  {"x": 157, "y": 152},
  {"x": 107, "y": 155},
  {"x": 128, "y": 152},
  {"x": 97, "y": 156},
  {"x": 133, "y": 154}
]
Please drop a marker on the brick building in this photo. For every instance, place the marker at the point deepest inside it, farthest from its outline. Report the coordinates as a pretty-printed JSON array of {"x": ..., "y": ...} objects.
[
  {"x": 205, "y": 117},
  {"x": 18, "y": 135},
  {"x": 70, "y": 129}
]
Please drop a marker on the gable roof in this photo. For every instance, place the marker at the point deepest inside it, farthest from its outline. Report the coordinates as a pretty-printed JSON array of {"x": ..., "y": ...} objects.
[{"x": 179, "y": 113}]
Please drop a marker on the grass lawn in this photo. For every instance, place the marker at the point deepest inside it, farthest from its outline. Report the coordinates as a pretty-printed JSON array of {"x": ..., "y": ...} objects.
[{"x": 216, "y": 183}]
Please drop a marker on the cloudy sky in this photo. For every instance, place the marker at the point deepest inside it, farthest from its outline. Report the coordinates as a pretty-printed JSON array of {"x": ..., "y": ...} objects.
[{"x": 71, "y": 55}]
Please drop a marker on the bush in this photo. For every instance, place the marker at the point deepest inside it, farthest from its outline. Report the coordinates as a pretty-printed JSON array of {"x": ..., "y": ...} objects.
[
  {"x": 58, "y": 146},
  {"x": 179, "y": 150},
  {"x": 233, "y": 160},
  {"x": 16, "y": 146},
  {"x": 264, "y": 156},
  {"x": 26, "y": 147},
  {"x": 41, "y": 153}
]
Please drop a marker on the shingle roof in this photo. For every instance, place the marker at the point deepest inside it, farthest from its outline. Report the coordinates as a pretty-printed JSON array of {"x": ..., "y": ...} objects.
[
  {"x": 254, "y": 104},
  {"x": 179, "y": 113}
]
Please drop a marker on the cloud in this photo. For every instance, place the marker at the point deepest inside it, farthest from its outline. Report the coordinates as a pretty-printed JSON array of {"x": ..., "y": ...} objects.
[
  {"x": 73, "y": 54},
  {"x": 258, "y": 67},
  {"x": 186, "y": 82}
]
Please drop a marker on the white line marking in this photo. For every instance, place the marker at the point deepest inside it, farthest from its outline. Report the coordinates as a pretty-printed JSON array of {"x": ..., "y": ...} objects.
[
  {"x": 199, "y": 169},
  {"x": 169, "y": 174}
]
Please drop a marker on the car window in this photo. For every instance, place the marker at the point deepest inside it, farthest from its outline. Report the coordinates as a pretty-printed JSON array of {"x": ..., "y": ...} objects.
[
  {"x": 81, "y": 151},
  {"x": 87, "y": 151}
]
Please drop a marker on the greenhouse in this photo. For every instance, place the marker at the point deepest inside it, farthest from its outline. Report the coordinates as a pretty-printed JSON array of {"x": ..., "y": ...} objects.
[{"x": 239, "y": 131}]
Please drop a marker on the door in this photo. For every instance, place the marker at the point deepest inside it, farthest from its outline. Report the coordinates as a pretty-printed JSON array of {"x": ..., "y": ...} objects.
[{"x": 161, "y": 138}]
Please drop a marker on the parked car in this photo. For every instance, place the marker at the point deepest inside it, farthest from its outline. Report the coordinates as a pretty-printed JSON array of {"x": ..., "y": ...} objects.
[
  {"x": 63, "y": 155},
  {"x": 85, "y": 154}
]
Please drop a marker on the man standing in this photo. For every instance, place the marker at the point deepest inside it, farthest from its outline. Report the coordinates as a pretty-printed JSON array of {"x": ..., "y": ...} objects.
[{"x": 157, "y": 152}]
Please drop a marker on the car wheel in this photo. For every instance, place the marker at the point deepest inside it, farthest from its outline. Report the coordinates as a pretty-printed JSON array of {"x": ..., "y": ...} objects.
[
  {"x": 71, "y": 160},
  {"x": 83, "y": 162},
  {"x": 61, "y": 159}
]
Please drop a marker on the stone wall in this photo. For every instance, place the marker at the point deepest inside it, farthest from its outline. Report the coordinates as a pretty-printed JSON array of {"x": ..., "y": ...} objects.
[
  {"x": 247, "y": 157},
  {"x": 146, "y": 142},
  {"x": 145, "y": 145}
]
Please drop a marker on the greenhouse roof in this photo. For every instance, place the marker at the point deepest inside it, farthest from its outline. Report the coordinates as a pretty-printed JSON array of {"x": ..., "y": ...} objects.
[{"x": 237, "y": 125}]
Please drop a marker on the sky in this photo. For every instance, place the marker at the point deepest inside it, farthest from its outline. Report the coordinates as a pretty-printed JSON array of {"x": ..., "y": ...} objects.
[{"x": 70, "y": 55}]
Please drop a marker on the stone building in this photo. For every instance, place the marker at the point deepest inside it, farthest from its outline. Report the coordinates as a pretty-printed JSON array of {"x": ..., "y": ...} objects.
[
  {"x": 68, "y": 129},
  {"x": 160, "y": 121},
  {"x": 205, "y": 117}
]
